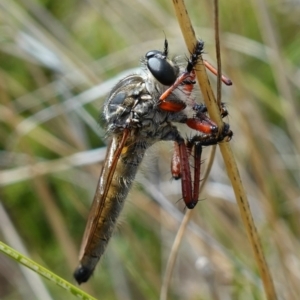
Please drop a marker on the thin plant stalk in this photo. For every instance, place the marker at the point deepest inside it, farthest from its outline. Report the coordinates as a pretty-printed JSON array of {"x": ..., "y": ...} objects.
[
  {"x": 218, "y": 51},
  {"x": 230, "y": 163},
  {"x": 183, "y": 226}
]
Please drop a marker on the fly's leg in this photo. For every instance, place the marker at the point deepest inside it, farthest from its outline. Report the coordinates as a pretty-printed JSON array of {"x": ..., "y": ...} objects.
[
  {"x": 174, "y": 105},
  {"x": 187, "y": 79},
  {"x": 213, "y": 70},
  {"x": 180, "y": 167},
  {"x": 201, "y": 122},
  {"x": 181, "y": 170},
  {"x": 197, "y": 170},
  {"x": 180, "y": 163},
  {"x": 197, "y": 147},
  {"x": 196, "y": 143},
  {"x": 185, "y": 175},
  {"x": 209, "y": 140}
]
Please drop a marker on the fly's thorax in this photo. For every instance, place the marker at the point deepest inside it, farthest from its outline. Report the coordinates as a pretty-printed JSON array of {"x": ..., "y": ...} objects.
[
  {"x": 133, "y": 103},
  {"x": 121, "y": 101},
  {"x": 122, "y": 97}
]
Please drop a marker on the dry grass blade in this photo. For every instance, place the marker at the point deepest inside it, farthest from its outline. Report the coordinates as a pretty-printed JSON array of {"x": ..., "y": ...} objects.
[
  {"x": 218, "y": 50},
  {"x": 287, "y": 100},
  {"x": 183, "y": 226},
  {"x": 233, "y": 173},
  {"x": 173, "y": 255}
]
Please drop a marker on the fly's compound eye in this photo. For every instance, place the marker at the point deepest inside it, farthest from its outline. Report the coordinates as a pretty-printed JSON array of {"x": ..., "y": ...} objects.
[{"x": 160, "y": 68}]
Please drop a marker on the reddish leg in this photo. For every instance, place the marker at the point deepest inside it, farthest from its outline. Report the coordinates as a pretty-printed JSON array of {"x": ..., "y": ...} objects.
[
  {"x": 172, "y": 105},
  {"x": 180, "y": 161},
  {"x": 201, "y": 122},
  {"x": 180, "y": 166},
  {"x": 181, "y": 169},
  {"x": 206, "y": 125},
  {"x": 176, "y": 163},
  {"x": 186, "y": 180},
  {"x": 187, "y": 78},
  {"x": 212, "y": 69},
  {"x": 197, "y": 170}
]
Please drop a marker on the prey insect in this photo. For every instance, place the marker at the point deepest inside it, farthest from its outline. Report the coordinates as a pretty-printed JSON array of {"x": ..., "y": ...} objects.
[{"x": 140, "y": 111}]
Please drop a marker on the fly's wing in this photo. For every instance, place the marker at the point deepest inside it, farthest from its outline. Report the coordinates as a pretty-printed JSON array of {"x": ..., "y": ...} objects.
[
  {"x": 117, "y": 112},
  {"x": 122, "y": 159},
  {"x": 112, "y": 156},
  {"x": 104, "y": 211}
]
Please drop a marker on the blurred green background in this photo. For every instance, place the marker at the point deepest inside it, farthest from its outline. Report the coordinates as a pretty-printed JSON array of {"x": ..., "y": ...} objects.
[{"x": 58, "y": 60}]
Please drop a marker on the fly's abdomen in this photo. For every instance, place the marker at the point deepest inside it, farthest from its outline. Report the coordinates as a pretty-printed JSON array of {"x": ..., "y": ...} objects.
[{"x": 113, "y": 186}]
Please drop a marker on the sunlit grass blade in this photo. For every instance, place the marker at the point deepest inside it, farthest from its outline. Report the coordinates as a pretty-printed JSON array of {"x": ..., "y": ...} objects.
[{"x": 44, "y": 272}]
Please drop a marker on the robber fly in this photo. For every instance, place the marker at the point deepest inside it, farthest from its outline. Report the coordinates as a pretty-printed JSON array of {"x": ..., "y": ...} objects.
[{"x": 140, "y": 111}]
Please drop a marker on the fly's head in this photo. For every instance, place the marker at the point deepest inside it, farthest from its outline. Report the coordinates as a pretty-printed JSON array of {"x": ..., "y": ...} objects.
[
  {"x": 135, "y": 102},
  {"x": 164, "y": 70}
]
